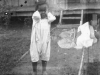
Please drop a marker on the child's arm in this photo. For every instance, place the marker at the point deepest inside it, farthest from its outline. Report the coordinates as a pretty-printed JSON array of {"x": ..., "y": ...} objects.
[
  {"x": 36, "y": 16},
  {"x": 78, "y": 33},
  {"x": 51, "y": 17}
]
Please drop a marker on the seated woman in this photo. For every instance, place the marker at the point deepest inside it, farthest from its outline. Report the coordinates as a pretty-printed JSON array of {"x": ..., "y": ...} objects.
[{"x": 85, "y": 37}]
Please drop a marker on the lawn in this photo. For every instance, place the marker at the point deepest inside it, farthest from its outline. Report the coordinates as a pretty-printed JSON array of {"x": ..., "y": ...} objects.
[{"x": 13, "y": 44}]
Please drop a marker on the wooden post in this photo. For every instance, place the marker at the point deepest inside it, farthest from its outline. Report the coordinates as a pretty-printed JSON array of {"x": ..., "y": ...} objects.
[
  {"x": 11, "y": 3},
  {"x": 82, "y": 59},
  {"x": 81, "y": 21},
  {"x": 94, "y": 19},
  {"x": 18, "y": 2},
  {"x": 61, "y": 13}
]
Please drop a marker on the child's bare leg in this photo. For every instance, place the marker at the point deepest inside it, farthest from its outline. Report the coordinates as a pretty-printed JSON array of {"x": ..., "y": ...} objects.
[
  {"x": 44, "y": 65},
  {"x": 34, "y": 65}
]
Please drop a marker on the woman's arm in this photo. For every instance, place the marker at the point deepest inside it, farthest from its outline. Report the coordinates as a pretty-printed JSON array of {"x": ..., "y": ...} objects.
[{"x": 78, "y": 33}]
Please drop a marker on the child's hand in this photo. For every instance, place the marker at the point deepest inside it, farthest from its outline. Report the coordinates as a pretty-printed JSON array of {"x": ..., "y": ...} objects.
[{"x": 36, "y": 18}]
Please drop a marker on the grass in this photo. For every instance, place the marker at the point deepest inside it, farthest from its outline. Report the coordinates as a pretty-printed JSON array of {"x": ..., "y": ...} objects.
[
  {"x": 14, "y": 43},
  {"x": 12, "y": 47}
]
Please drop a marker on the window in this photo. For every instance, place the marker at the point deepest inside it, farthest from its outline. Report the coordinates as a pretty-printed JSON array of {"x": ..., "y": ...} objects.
[
  {"x": 73, "y": 1},
  {"x": 91, "y": 1}
]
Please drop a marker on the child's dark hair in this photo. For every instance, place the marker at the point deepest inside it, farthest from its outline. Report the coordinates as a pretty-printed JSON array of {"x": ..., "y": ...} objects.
[{"x": 40, "y": 7}]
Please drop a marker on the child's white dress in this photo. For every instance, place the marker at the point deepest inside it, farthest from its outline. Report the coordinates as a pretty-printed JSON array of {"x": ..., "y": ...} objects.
[{"x": 40, "y": 38}]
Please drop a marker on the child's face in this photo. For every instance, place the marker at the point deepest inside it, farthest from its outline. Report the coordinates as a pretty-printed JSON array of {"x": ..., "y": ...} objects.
[{"x": 43, "y": 15}]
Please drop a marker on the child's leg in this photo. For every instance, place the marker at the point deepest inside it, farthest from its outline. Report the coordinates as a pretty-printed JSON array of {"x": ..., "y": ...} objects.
[
  {"x": 44, "y": 65},
  {"x": 34, "y": 65}
]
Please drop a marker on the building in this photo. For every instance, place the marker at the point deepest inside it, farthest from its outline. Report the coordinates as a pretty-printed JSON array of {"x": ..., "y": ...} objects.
[{"x": 27, "y": 7}]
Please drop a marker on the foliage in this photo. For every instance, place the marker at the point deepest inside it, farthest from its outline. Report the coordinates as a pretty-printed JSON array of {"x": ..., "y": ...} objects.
[
  {"x": 4, "y": 13},
  {"x": 27, "y": 22}
]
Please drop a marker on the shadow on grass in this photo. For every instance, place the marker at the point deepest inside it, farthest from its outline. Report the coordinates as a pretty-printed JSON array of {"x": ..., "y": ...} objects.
[{"x": 92, "y": 68}]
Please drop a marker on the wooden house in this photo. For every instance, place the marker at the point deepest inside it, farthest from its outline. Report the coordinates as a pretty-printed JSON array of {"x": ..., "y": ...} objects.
[
  {"x": 27, "y": 7},
  {"x": 91, "y": 9}
]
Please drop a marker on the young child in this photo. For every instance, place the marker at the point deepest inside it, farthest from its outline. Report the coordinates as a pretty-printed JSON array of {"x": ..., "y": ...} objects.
[{"x": 40, "y": 39}]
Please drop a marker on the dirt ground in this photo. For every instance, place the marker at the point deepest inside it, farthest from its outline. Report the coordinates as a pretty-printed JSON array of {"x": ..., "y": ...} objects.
[{"x": 14, "y": 43}]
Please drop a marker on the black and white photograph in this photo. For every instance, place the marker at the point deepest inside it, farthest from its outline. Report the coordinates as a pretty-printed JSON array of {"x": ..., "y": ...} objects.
[{"x": 49, "y": 37}]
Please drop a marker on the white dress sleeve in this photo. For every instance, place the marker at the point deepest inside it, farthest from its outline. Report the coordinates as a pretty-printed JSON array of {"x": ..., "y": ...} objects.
[
  {"x": 51, "y": 17},
  {"x": 37, "y": 14}
]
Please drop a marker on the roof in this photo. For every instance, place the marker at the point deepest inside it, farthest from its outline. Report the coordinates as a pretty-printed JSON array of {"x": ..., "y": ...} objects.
[{"x": 76, "y": 6}]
